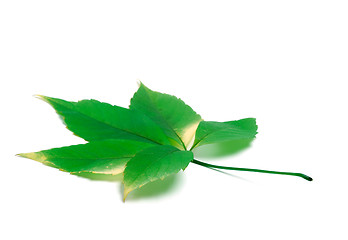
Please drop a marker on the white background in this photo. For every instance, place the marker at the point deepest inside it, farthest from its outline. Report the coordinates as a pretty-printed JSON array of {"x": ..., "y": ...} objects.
[{"x": 283, "y": 62}]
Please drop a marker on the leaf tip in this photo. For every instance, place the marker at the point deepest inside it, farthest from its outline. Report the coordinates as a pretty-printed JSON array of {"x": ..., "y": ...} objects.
[
  {"x": 37, "y": 156},
  {"x": 125, "y": 193},
  {"x": 139, "y": 83},
  {"x": 41, "y": 97},
  {"x": 38, "y": 96}
]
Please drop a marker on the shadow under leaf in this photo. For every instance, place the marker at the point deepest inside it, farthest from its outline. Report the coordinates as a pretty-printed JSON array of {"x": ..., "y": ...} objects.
[
  {"x": 156, "y": 188},
  {"x": 150, "y": 190},
  {"x": 223, "y": 149},
  {"x": 100, "y": 177}
]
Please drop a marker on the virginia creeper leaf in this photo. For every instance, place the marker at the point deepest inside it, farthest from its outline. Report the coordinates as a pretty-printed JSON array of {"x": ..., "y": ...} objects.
[
  {"x": 177, "y": 119},
  {"x": 105, "y": 156},
  {"x": 146, "y": 142},
  {"x": 213, "y": 132},
  {"x": 152, "y": 164},
  {"x": 93, "y": 120}
]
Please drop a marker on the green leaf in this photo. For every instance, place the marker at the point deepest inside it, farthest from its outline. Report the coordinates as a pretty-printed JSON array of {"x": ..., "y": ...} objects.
[
  {"x": 152, "y": 164},
  {"x": 106, "y": 156},
  {"x": 93, "y": 120},
  {"x": 177, "y": 119},
  {"x": 147, "y": 142},
  {"x": 213, "y": 132}
]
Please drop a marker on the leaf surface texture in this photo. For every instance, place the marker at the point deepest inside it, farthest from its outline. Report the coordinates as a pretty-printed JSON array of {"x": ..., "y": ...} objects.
[
  {"x": 209, "y": 132},
  {"x": 93, "y": 120},
  {"x": 106, "y": 156},
  {"x": 177, "y": 119}
]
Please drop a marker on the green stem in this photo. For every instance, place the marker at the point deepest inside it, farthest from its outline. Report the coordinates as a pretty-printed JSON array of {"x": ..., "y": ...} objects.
[
  {"x": 183, "y": 144},
  {"x": 251, "y": 170}
]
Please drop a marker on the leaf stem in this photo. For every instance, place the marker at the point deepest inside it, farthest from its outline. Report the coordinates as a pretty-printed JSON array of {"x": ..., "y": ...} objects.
[
  {"x": 251, "y": 170},
  {"x": 183, "y": 144},
  {"x": 193, "y": 146}
]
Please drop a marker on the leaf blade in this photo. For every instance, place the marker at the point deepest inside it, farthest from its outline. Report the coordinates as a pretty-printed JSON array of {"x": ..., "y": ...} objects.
[
  {"x": 105, "y": 157},
  {"x": 93, "y": 120},
  {"x": 209, "y": 132},
  {"x": 178, "y": 120},
  {"x": 152, "y": 164}
]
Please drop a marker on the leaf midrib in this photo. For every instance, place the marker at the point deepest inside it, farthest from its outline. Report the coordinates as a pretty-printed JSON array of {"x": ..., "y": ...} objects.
[
  {"x": 206, "y": 135},
  {"x": 91, "y": 159},
  {"x": 163, "y": 119},
  {"x": 152, "y": 163},
  {"x": 103, "y": 122}
]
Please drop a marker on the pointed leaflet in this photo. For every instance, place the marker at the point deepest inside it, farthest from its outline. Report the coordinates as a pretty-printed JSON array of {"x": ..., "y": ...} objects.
[
  {"x": 214, "y": 132},
  {"x": 93, "y": 120},
  {"x": 152, "y": 164},
  {"x": 177, "y": 119},
  {"x": 106, "y": 156}
]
